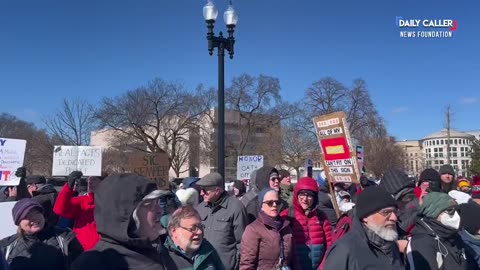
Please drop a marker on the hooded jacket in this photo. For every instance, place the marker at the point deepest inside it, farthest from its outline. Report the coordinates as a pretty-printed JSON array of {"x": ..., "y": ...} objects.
[
  {"x": 116, "y": 198},
  {"x": 262, "y": 180},
  {"x": 434, "y": 246},
  {"x": 354, "y": 251},
  {"x": 312, "y": 233},
  {"x": 80, "y": 209}
]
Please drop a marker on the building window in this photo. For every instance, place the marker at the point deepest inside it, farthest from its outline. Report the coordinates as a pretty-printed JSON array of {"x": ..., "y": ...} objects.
[
  {"x": 441, "y": 162},
  {"x": 455, "y": 161},
  {"x": 438, "y": 142},
  {"x": 433, "y": 142},
  {"x": 455, "y": 141},
  {"x": 435, "y": 150}
]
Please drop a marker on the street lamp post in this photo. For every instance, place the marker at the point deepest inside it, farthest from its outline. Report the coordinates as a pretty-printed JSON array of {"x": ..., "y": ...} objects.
[{"x": 221, "y": 43}]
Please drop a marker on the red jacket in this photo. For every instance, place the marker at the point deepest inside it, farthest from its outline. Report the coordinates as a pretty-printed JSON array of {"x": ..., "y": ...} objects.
[
  {"x": 80, "y": 209},
  {"x": 312, "y": 233}
]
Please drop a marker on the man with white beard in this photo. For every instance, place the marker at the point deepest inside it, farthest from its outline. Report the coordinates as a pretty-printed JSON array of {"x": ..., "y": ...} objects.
[
  {"x": 371, "y": 244},
  {"x": 185, "y": 244}
]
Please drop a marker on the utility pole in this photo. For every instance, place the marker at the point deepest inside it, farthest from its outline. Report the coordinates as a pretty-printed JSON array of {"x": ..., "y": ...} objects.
[{"x": 447, "y": 114}]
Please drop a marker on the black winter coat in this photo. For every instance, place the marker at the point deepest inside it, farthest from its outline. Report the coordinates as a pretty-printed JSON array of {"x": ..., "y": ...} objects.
[
  {"x": 325, "y": 205},
  {"x": 41, "y": 251},
  {"x": 46, "y": 196},
  {"x": 118, "y": 248},
  {"x": 425, "y": 252}
]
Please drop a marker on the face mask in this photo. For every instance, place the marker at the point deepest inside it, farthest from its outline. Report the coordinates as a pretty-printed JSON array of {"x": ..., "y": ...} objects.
[{"x": 450, "y": 221}]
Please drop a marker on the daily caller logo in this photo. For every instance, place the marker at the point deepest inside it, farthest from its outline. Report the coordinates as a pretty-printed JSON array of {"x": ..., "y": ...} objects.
[{"x": 425, "y": 28}]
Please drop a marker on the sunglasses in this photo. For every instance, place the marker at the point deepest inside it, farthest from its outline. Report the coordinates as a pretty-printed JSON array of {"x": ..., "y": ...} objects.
[
  {"x": 270, "y": 203},
  {"x": 450, "y": 211},
  {"x": 273, "y": 179}
]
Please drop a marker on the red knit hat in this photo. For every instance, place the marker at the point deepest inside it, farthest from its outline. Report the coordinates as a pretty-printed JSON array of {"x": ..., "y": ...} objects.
[{"x": 476, "y": 187}]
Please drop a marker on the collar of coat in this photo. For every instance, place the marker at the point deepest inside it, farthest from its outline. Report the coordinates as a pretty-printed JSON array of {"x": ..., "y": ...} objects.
[{"x": 200, "y": 255}]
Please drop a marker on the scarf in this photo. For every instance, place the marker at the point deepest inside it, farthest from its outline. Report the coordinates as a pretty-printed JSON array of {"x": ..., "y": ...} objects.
[
  {"x": 386, "y": 247},
  {"x": 274, "y": 222}
]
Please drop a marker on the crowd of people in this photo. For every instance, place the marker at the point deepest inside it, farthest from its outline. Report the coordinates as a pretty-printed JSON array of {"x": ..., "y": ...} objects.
[{"x": 123, "y": 221}]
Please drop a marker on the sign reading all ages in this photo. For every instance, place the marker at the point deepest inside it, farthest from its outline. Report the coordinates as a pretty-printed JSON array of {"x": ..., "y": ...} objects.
[
  {"x": 151, "y": 165},
  {"x": 12, "y": 153},
  {"x": 87, "y": 159},
  {"x": 247, "y": 164},
  {"x": 338, "y": 152}
]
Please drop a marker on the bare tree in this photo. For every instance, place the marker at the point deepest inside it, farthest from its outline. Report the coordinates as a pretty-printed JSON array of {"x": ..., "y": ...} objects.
[
  {"x": 39, "y": 149},
  {"x": 72, "y": 122},
  {"x": 155, "y": 118}
]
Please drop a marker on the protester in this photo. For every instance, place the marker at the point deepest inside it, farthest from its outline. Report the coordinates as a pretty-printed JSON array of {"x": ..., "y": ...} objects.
[
  {"x": 267, "y": 242},
  {"x": 266, "y": 177},
  {"x": 127, "y": 215},
  {"x": 312, "y": 233},
  {"x": 447, "y": 174},
  {"x": 187, "y": 249},
  {"x": 286, "y": 186},
  {"x": 253, "y": 189},
  {"x": 37, "y": 245},
  {"x": 371, "y": 243},
  {"x": 398, "y": 184},
  {"x": 429, "y": 181},
  {"x": 45, "y": 194},
  {"x": 224, "y": 217},
  {"x": 239, "y": 189},
  {"x": 464, "y": 185},
  {"x": 469, "y": 221},
  {"x": 476, "y": 189},
  {"x": 80, "y": 209},
  {"x": 435, "y": 243},
  {"x": 325, "y": 203}
]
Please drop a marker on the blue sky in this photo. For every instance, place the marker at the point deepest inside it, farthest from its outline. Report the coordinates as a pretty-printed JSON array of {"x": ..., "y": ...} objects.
[{"x": 95, "y": 48}]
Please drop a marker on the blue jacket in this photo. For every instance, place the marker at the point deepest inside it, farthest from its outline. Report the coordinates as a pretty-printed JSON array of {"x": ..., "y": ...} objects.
[{"x": 472, "y": 248}]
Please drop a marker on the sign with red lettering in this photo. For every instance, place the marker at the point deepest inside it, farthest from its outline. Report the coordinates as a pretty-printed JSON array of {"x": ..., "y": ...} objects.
[
  {"x": 338, "y": 153},
  {"x": 12, "y": 153}
]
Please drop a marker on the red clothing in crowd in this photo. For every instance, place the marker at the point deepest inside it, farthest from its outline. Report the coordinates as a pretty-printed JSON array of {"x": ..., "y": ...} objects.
[{"x": 80, "y": 209}]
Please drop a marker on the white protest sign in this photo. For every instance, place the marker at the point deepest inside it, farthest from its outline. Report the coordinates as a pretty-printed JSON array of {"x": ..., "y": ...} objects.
[
  {"x": 8, "y": 227},
  {"x": 247, "y": 164},
  {"x": 12, "y": 152},
  {"x": 87, "y": 159}
]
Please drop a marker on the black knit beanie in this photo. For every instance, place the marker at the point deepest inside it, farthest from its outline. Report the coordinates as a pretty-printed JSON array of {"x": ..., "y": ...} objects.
[
  {"x": 373, "y": 199},
  {"x": 469, "y": 213}
]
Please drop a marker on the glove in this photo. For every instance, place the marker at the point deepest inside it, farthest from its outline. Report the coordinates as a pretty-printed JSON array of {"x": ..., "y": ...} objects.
[
  {"x": 21, "y": 172},
  {"x": 73, "y": 177}
]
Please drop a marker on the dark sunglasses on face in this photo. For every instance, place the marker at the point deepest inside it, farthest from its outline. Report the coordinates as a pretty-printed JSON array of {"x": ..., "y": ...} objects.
[
  {"x": 450, "y": 211},
  {"x": 270, "y": 203},
  {"x": 273, "y": 179}
]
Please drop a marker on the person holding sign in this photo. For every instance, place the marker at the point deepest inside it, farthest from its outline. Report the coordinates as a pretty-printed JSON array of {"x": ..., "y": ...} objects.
[
  {"x": 80, "y": 209},
  {"x": 38, "y": 245},
  {"x": 15, "y": 193}
]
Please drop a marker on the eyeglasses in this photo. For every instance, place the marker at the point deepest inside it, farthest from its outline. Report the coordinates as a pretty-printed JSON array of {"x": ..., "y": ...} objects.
[
  {"x": 450, "y": 211},
  {"x": 194, "y": 228},
  {"x": 388, "y": 212},
  {"x": 273, "y": 179},
  {"x": 305, "y": 195},
  {"x": 270, "y": 203}
]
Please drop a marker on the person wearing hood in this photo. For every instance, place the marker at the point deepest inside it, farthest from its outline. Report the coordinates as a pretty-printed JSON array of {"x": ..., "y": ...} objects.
[
  {"x": 311, "y": 231},
  {"x": 429, "y": 181},
  {"x": 266, "y": 177},
  {"x": 79, "y": 209},
  {"x": 398, "y": 184},
  {"x": 371, "y": 243},
  {"x": 186, "y": 247},
  {"x": 239, "y": 189},
  {"x": 267, "y": 242},
  {"x": 470, "y": 233},
  {"x": 447, "y": 175},
  {"x": 127, "y": 215},
  {"x": 37, "y": 245},
  {"x": 224, "y": 217},
  {"x": 286, "y": 186},
  {"x": 253, "y": 189},
  {"x": 45, "y": 194},
  {"x": 435, "y": 243}
]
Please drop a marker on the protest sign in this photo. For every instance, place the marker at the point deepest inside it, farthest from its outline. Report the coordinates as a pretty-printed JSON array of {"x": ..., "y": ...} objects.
[
  {"x": 151, "y": 165},
  {"x": 87, "y": 159},
  {"x": 247, "y": 164},
  {"x": 12, "y": 153},
  {"x": 8, "y": 226},
  {"x": 338, "y": 152}
]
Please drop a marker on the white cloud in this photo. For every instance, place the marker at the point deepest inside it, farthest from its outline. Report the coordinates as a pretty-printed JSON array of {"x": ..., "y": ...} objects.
[
  {"x": 469, "y": 100},
  {"x": 400, "y": 109}
]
